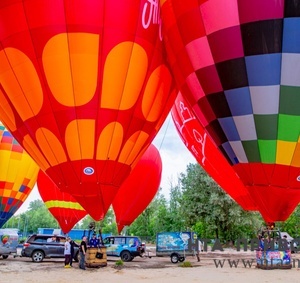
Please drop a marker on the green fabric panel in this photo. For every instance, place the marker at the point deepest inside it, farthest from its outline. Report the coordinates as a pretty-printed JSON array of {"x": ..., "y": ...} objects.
[
  {"x": 289, "y": 101},
  {"x": 251, "y": 150},
  {"x": 288, "y": 127},
  {"x": 267, "y": 151},
  {"x": 266, "y": 126}
]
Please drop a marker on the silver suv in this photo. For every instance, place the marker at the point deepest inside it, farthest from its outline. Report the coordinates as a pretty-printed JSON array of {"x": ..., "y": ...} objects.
[{"x": 40, "y": 246}]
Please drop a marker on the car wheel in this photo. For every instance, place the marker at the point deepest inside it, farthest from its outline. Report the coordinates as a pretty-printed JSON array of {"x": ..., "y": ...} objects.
[
  {"x": 126, "y": 256},
  {"x": 174, "y": 258},
  {"x": 4, "y": 256},
  {"x": 37, "y": 256},
  {"x": 181, "y": 259}
]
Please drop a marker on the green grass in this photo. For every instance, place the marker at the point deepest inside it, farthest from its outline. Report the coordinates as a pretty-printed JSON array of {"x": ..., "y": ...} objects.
[{"x": 186, "y": 264}]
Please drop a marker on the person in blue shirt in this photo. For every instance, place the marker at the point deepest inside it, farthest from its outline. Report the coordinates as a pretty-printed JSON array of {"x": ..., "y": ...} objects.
[{"x": 94, "y": 242}]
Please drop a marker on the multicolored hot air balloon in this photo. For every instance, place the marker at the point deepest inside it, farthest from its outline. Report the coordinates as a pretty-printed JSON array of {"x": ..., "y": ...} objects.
[
  {"x": 208, "y": 156},
  {"x": 237, "y": 64},
  {"x": 64, "y": 208},
  {"x": 18, "y": 173},
  {"x": 139, "y": 188},
  {"x": 84, "y": 89}
]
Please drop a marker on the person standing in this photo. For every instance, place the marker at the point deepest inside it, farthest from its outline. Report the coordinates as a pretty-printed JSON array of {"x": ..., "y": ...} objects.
[
  {"x": 82, "y": 252},
  {"x": 73, "y": 245},
  {"x": 67, "y": 252}
]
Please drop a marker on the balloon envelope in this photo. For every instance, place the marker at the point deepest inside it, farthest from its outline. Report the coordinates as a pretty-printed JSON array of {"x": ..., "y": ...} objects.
[
  {"x": 208, "y": 156},
  {"x": 139, "y": 188},
  {"x": 18, "y": 173},
  {"x": 84, "y": 89},
  {"x": 236, "y": 63},
  {"x": 64, "y": 208}
]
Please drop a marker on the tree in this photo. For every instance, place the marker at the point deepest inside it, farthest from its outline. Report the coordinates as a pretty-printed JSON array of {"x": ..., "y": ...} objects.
[
  {"x": 107, "y": 225},
  {"x": 291, "y": 225},
  {"x": 205, "y": 202}
]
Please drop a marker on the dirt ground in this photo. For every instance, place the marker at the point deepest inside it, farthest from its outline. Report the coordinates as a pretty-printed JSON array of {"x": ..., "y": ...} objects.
[{"x": 154, "y": 269}]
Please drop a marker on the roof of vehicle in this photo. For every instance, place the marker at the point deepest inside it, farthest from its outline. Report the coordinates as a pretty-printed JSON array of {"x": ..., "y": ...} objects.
[
  {"x": 48, "y": 235},
  {"x": 120, "y": 236},
  {"x": 288, "y": 236}
]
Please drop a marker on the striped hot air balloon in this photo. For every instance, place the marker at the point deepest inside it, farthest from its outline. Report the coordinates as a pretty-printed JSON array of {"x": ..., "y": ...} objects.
[
  {"x": 64, "y": 208},
  {"x": 18, "y": 174}
]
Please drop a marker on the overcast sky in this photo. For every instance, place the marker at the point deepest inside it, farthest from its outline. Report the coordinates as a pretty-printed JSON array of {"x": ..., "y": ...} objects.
[{"x": 175, "y": 157}]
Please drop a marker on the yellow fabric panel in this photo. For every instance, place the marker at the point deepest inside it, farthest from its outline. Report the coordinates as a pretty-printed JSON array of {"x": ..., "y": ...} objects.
[
  {"x": 284, "y": 152},
  {"x": 110, "y": 141},
  {"x": 4, "y": 157},
  {"x": 21, "y": 82},
  {"x": 63, "y": 204},
  {"x": 75, "y": 81},
  {"x": 132, "y": 147},
  {"x": 80, "y": 137},
  {"x": 16, "y": 155},
  {"x": 51, "y": 146},
  {"x": 296, "y": 157},
  {"x": 6, "y": 193},
  {"x": 155, "y": 93},
  {"x": 124, "y": 74}
]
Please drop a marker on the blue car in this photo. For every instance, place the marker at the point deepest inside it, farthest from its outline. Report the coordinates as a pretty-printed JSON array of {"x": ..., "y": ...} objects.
[{"x": 125, "y": 247}]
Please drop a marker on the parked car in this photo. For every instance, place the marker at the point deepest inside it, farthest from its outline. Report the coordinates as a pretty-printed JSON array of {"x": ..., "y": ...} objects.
[
  {"x": 125, "y": 247},
  {"x": 290, "y": 240},
  {"x": 40, "y": 246}
]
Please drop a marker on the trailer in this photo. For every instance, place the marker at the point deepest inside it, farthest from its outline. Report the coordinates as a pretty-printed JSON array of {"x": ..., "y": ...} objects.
[
  {"x": 9, "y": 239},
  {"x": 177, "y": 245}
]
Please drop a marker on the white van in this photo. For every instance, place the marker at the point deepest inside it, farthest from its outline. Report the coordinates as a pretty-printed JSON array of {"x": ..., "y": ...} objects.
[{"x": 9, "y": 239}]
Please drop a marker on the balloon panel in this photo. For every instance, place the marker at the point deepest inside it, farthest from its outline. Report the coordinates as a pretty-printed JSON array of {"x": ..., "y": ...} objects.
[
  {"x": 18, "y": 173},
  {"x": 138, "y": 189},
  {"x": 208, "y": 156},
  {"x": 84, "y": 89},
  {"x": 62, "y": 206},
  {"x": 236, "y": 64}
]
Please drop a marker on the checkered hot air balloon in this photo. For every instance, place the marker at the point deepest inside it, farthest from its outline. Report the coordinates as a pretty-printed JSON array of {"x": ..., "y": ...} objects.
[{"x": 237, "y": 63}]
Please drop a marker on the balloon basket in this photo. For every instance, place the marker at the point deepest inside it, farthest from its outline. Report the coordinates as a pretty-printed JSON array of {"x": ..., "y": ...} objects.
[
  {"x": 92, "y": 261},
  {"x": 270, "y": 267}
]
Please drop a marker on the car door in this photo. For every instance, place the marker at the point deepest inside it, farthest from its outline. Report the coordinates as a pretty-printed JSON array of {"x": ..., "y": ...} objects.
[
  {"x": 109, "y": 242},
  {"x": 60, "y": 247}
]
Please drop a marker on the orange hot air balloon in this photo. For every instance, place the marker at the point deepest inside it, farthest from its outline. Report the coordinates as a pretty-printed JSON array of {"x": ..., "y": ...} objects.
[
  {"x": 138, "y": 189},
  {"x": 62, "y": 206},
  {"x": 18, "y": 173},
  {"x": 236, "y": 63},
  {"x": 84, "y": 88},
  {"x": 208, "y": 156}
]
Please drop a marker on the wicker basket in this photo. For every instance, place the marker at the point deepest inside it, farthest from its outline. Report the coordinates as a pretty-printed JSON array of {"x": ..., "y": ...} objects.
[{"x": 92, "y": 261}]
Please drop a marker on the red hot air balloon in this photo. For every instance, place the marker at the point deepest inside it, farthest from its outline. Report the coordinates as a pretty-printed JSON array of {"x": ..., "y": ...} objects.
[
  {"x": 64, "y": 208},
  {"x": 236, "y": 63},
  {"x": 208, "y": 156},
  {"x": 18, "y": 173},
  {"x": 139, "y": 188},
  {"x": 84, "y": 88}
]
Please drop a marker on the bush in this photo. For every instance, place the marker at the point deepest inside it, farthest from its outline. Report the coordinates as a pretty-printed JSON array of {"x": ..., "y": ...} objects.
[
  {"x": 186, "y": 264},
  {"x": 119, "y": 264}
]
